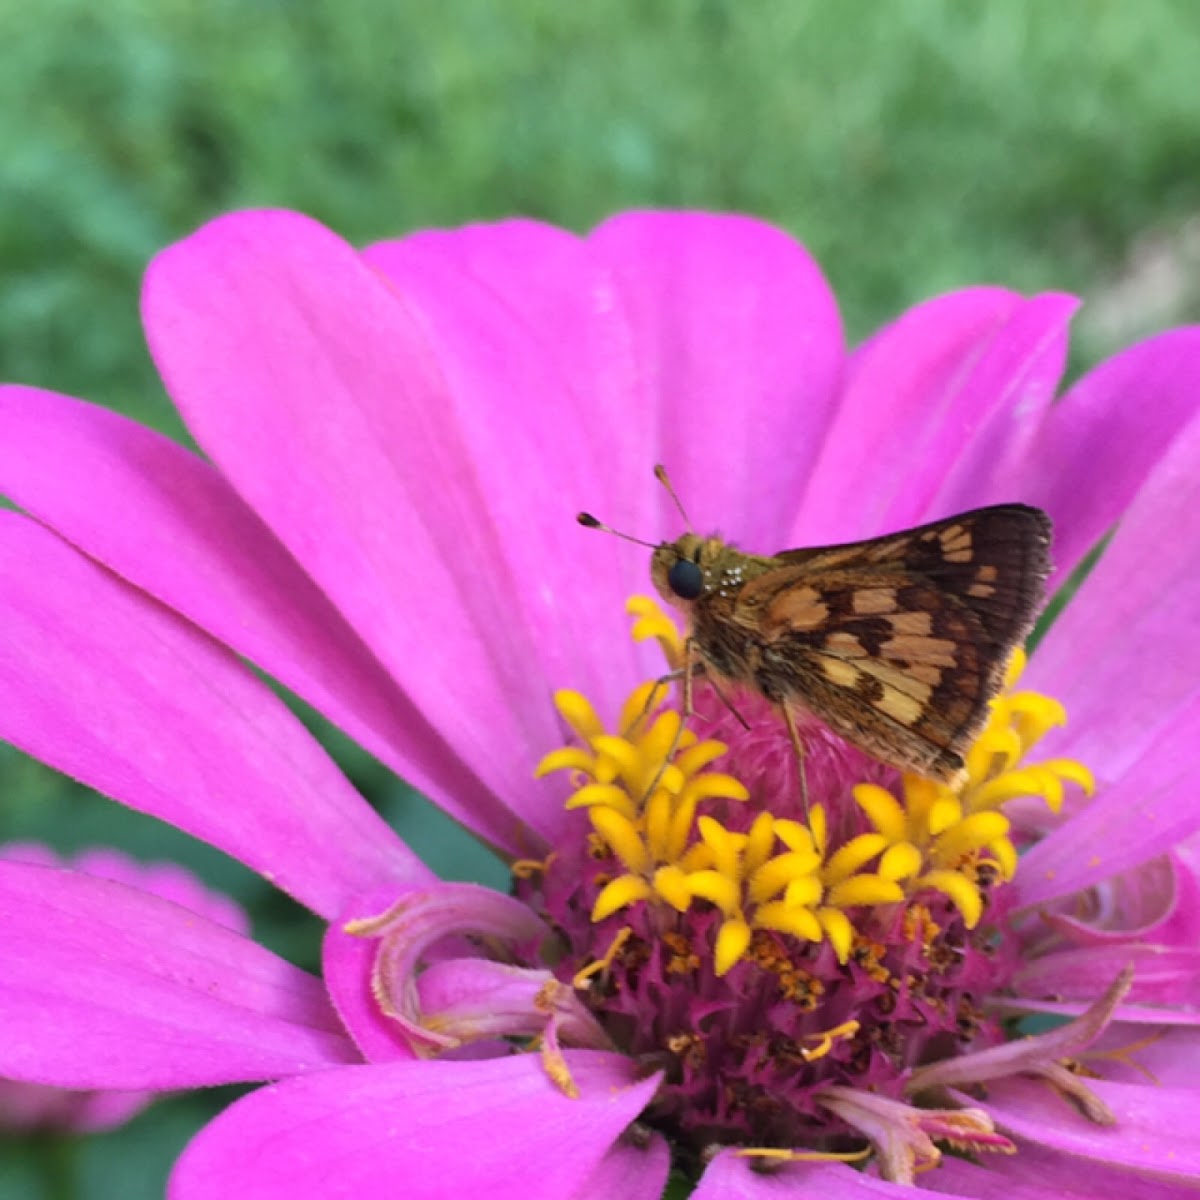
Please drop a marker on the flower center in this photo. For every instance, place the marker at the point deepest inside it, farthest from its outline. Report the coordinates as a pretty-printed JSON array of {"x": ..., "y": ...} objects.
[{"x": 768, "y": 958}]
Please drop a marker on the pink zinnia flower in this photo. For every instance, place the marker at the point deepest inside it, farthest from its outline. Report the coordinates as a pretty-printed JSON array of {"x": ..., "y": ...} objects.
[{"x": 397, "y": 443}]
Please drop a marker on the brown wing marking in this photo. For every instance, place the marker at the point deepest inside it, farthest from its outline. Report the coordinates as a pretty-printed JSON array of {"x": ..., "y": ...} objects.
[
  {"x": 910, "y": 684},
  {"x": 995, "y": 560}
]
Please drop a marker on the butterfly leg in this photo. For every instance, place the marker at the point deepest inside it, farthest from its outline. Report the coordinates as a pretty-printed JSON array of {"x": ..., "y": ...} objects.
[
  {"x": 798, "y": 747},
  {"x": 653, "y": 696},
  {"x": 722, "y": 696},
  {"x": 697, "y": 672},
  {"x": 685, "y": 672}
]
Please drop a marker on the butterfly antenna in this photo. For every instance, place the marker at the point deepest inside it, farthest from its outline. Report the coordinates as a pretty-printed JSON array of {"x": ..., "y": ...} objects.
[
  {"x": 589, "y": 522},
  {"x": 660, "y": 473}
]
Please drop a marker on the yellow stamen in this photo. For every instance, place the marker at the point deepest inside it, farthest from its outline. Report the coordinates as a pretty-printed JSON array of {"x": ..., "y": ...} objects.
[
  {"x": 775, "y": 874},
  {"x": 771, "y": 1154},
  {"x": 1004, "y": 854},
  {"x": 620, "y": 893},
  {"x": 826, "y": 1039},
  {"x": 713, "y": 785},
  {"x": 798, "y": 920},
  {"x": 573, "y": 758},
  {"x": 883, "y": 810},
  {"x": 604, "y": 795},
  {"x": 555, "y": 1066},
  {"x": 1016, "y": 667},
  {"x": 622, "y": 836},
  {"x": 527, "y": 868},
  {"x": 624, "y": 755},
  {"x": 805, "y": 892},
  {"x": 577, "y": 711},
  {"x": 653, "y": 622},
  {"x": 733, "y": 940},
  {"x": 580, "y": 981},
  {"x": 962, "y": 893},
  {"x": 900, "y": 861},
  {"x": 838, "y": 930},
  {"x": 995, "y": 750},
  {"x": 865, "y": 889},
  {"x": 717, "y": 888},
  {"x": 671, "y": 883},
  {"x": 699, "y": 756},
  {"x": 643, "y": 700},
  {"x": 970, "y": 834},
  {"x": 854, "y": 854}
]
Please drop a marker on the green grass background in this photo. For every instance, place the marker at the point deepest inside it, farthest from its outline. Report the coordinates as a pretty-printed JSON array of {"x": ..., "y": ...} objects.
[{"x": 916, "y": 145}]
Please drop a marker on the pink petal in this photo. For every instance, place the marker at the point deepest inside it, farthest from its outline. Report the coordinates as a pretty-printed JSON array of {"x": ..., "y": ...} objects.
[
  {"x": 306, "y": 378},
  {"x": 739, "y": 348},
  {"x": 166, "y": 521},
  {"x": 730, "y": 1177},
  {"x": 347, "y": 963},
  {"x": 559, "y": 290},
  {"x": 1182, "y": 924},
  {"x": 1146, "y": 811},
  {"x": 1106, "y": 437},
  {"x": 1037, "y": 1174},
  {"x": 974, "y": 453},
  {"x": 1155, "y": 902},
  {"x": 1128, "y": 1014},
  {"x": 631, "y": 1170},
  {"x": 906, "y": 415},
  {"x": 474, "y": 1000},
  {"x": 422, "y": 1130},
  {"x": 29, "y": 1107},
  {"x": 104, "y": 684},
  {"x": 998, "y": 1178},
  {"x": 1104, "y": 657},
  {"x": 33, "y": 853},
  {"x": 1157, "y": 1130},
  {"x": 521, "y": 420},
  {"x": 1169, "y": 1058},
  {"x": 166, "y": 879},
  {"x": 109, "y": 987},
  {"x": 1162, "y": 976}
]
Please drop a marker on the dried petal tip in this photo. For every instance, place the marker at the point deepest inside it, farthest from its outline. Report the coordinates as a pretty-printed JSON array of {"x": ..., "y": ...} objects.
[
  {"x": 1026, "y": 1056},
  {"x": 904, "y": 1137}
]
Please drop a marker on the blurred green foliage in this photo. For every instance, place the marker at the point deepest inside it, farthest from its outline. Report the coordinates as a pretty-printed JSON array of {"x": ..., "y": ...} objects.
[{"x": 914, "y": 146}]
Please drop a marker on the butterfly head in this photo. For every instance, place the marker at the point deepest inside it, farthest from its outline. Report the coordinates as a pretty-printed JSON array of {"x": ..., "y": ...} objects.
[{"x": 679, "y": 570}]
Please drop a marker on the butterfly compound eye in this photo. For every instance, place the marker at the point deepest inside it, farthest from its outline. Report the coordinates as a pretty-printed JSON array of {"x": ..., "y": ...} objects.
[{"x": 685, "y": 579}]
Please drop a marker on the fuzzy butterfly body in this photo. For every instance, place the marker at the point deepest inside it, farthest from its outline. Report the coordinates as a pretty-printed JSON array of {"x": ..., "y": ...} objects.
[{"x": 898, "y": 643}]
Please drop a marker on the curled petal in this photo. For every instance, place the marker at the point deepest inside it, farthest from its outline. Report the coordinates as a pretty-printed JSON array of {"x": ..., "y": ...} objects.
[
  {"x": 470, "y": 999},
  {"x": 421, "y": 919},
  {"x": 905, "y": 1137}
]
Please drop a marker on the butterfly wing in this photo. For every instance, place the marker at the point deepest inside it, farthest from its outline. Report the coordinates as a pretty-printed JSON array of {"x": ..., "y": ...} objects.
[
  {"x": 994, "y": 560},
  {"x": 900, "y": 643}
]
